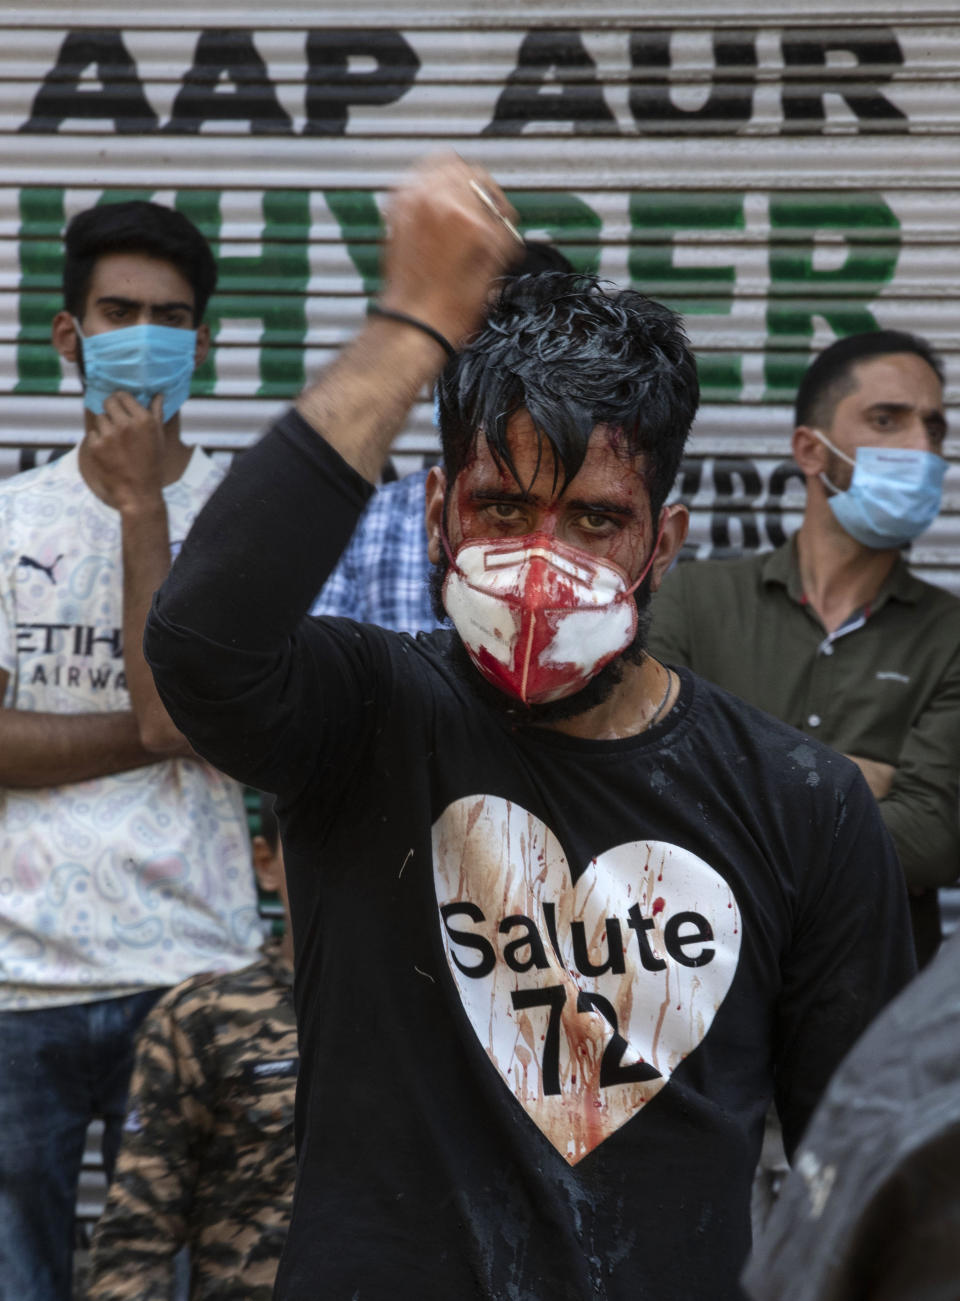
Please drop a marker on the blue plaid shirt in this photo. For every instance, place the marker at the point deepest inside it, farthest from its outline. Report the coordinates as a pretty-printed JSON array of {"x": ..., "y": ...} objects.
[{"x": 382, "y": 576}]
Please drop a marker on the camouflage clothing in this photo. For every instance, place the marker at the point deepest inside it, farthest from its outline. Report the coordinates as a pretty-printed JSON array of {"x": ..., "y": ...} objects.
[{"x": 207, "y": 1157}]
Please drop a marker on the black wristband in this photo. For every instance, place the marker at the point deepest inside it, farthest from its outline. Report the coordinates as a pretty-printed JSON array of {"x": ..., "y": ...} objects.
[{"x": 376, "y": 310}]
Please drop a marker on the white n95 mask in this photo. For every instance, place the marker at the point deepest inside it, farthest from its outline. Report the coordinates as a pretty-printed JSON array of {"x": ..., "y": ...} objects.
[{"x": 539, "y": 618}]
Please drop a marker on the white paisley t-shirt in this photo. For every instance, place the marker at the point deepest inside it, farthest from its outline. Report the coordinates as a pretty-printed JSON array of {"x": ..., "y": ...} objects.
[{"x": 125, "y": 882}]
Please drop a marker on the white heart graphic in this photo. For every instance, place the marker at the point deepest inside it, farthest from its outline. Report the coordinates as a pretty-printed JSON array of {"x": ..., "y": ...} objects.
[{"x": 586, "y": 994}]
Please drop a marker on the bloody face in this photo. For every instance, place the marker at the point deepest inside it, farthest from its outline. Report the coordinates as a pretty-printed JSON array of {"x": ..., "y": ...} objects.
[
  {"x": 603, "y": 510},
  {"x": 585, "y": 543}
]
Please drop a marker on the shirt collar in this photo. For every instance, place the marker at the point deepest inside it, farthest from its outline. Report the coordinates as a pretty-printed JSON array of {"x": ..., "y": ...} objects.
[{"x": 783, "y": 567}]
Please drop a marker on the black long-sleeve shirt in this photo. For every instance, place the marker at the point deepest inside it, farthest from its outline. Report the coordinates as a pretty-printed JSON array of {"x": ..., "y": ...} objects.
[{"x": 545, "y": 985}]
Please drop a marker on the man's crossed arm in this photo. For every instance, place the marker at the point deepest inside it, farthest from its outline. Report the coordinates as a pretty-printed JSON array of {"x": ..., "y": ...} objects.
[{"x": 40, "y": 749}]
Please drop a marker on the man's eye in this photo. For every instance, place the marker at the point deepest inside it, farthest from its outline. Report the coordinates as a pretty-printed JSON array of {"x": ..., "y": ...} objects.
[
  {"x": 594, "y": 523},
  {"x": 504, "y": 510}
]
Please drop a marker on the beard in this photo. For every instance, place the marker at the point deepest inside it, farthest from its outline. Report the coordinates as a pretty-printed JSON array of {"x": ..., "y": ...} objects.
[
  {"x": 598, "y": 690},
  {"x": 839, "y": 473}
]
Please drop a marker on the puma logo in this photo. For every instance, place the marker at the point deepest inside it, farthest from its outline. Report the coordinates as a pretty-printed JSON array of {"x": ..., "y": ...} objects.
[{"x": 27, "y": 562}]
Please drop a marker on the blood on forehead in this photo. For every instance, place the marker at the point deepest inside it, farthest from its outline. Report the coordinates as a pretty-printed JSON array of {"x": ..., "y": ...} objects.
[
  {"x": 611, "y": 483},
  {"x": 536, "y": 466}
]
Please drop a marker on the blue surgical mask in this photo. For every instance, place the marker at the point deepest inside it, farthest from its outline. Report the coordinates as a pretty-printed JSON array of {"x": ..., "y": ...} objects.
[
  {"x": 142, "y": 360},
  {"x": 893, "y": 496}
]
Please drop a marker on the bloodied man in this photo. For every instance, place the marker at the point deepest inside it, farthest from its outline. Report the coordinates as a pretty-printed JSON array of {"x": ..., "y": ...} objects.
[{"x": 565, "y": 920}]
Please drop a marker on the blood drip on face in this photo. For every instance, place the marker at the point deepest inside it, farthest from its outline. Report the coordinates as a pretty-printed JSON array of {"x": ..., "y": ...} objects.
[{"x": 548, "y": 597}]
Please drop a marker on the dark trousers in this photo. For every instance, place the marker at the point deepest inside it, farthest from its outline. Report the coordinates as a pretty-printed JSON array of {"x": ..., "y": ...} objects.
[{"x": 59, "y": 1068}]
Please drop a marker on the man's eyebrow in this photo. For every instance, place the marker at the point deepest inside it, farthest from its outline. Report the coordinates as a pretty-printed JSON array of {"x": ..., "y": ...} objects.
[
  {"x": 935, "y": 420},
  {"x": 892, "y": 408},
  {"x": 904, "y": 408},
  {"x": 588, "y": 506},
  {"x": 500, "y": 494},
  {"x": 601, "y": 506},
  {"x": 117, "y": 300}
]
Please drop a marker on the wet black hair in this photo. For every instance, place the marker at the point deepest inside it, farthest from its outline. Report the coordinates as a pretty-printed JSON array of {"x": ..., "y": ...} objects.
[
  {"x": 136, "y": 226},
  {"x": 540, "y": 257},
  {"x": 574, "y": 352},
  {"x": 830, "y": 375}
]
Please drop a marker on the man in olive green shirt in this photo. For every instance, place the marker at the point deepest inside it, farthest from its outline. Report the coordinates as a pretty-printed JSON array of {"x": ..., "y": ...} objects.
[{"x": 832, "y": 633}]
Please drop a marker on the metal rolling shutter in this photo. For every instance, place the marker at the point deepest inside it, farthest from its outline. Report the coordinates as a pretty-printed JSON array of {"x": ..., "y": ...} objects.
[
  {"x": 779, "y": 182},
  {"x": 779, "y": 178}
]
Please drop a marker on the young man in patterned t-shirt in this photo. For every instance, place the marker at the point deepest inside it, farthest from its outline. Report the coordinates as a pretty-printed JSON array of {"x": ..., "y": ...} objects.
[{"x": 124, "y": 860}]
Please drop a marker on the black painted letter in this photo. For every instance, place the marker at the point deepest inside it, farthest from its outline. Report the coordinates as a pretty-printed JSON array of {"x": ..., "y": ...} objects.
[
  {"x": 121, "y": 96},
  {"x": 252, "y": 99},
  {"x": 807, "y": 78},
  {"x": 730, "y": 102},
  {"x": 332, "y": 87},
  {"x": 573, "y": 94},
  {"x": 729, "y": 474}
]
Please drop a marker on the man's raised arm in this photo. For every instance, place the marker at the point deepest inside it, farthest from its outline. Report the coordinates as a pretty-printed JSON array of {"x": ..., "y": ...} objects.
[
  {"x": 266, "y": 540},
  {"x": 443, "y": 249}
]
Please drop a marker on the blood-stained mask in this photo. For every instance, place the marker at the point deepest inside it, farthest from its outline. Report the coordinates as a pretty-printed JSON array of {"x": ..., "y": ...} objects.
[{"x": 539, "y": 618}]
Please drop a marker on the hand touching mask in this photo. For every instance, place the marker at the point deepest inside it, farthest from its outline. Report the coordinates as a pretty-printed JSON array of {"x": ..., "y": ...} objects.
[{"x": 142, "y": 360}]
